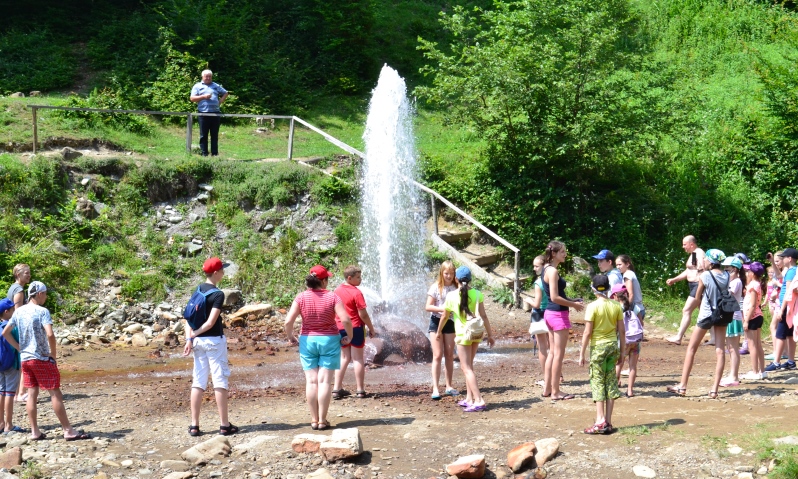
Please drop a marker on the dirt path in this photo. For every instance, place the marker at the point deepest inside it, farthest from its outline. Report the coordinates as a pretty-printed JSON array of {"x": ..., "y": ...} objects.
[{"x": 139, "y": 403}]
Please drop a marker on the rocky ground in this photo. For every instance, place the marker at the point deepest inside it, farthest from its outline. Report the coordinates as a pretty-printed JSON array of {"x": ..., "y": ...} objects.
[{"x": 134, "y": 401}]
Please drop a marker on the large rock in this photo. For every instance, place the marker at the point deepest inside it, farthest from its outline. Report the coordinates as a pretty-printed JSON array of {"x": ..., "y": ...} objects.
[
  {"x": 467, "y": 467},
  {"x": 231, "y": 297},
  {"x": 11, "y": 458},
  {"x": 69, "y": 154},
  {"x": 521, "y": 457},
  {"x": 256, "y": 443},
  {"x": 398, "y": 340},
  {"x": 207, "y": 451},
  {"x": 547, "y": 449},
  {"x": 342, "y": 444},
  {"x": 307, "y": 442},
  {"x": 258, "y": 310}
]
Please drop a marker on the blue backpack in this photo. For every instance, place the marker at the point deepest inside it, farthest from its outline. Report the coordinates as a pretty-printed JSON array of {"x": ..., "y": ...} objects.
[
  {"x": 195, "y": 309},
  {"x": 8, "y": 355}
]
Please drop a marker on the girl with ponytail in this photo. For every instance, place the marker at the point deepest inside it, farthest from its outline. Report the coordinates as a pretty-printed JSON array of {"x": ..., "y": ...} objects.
[{"x": 461, "y": 305}]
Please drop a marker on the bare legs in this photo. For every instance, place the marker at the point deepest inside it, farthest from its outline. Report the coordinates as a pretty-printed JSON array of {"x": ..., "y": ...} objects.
[
  {"x": 632, "y": 373},
  {"x": 692, "y": 348},
  {"x": 57, "y": 400},
  {"x": 604, "y": 411},
  {"x": 443, "y": 349},
  {"x": 346, "y": 358},
  {"x": 543, "y": 351},
  {"x": 466, "y": 355},
  {"x": 734, "y": 352},
  {"x": 318, "y": 392},
  {"x": 687, "y": 316},
  {"x": 221, "y": 405},
  {"x": 557, "y": 342},
  {"x": 754, "y": 337}
]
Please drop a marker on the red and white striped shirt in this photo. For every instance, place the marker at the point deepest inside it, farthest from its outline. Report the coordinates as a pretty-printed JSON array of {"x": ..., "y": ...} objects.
[{"x": 317, "y": 307}]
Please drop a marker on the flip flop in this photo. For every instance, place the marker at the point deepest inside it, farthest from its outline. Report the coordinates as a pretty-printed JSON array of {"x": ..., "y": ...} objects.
[
  {"x": 452, "y": 392},
  {"x": 463, "y": 403},
  {"x": 16, "y": 429},
  {"x": 473, "y": 408},
  {"x": 563, "y": 398},
  {"x": 41, "y": 437},
  {"x": 80, "y": 437},
  {"x": 436, "y": 397}
]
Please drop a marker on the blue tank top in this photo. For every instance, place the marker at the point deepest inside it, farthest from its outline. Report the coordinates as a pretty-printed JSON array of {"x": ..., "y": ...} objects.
[{"x": 552, "y": 306}]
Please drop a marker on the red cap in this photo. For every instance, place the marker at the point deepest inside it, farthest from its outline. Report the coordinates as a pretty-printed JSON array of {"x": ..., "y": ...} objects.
[
  {"x": 212, "y": 265},
  {"x": 319, "y": 272}
]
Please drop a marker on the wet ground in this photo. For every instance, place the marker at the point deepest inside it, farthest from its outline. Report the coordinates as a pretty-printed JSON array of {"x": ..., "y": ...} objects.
[{"x": 143, "y": 398}]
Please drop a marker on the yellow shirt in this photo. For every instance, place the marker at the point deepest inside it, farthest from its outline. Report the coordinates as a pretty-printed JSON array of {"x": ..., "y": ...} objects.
[{"x": 604, "y": 314}]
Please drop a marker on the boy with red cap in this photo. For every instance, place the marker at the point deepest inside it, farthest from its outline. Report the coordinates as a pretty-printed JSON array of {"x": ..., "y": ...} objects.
[{"x": 210, "y": 350}]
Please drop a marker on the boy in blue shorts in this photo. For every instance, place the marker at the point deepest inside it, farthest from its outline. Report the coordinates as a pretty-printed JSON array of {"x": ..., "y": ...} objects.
[{"x": 9, "y": 378}]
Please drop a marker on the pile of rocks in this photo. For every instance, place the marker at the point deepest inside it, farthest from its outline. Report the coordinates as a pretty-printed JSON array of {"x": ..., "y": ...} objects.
[{"x": 530, "y": 455}]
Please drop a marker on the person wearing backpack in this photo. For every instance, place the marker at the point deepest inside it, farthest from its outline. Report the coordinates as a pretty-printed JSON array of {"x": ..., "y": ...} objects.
[
  {"x": 462, "y": 307},
  {"x": 205, "y": 337},
  {"x": 9, "y": 369},
  {"x": 715, "y": 312},
  {"x": 37, "y": 348}
]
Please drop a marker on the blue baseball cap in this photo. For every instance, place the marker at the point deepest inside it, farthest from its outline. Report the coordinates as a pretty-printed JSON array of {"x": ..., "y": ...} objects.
[
  {"x": 463, "y": 274},
  {"x": 605, "y": 254},
  {"x": 5, "y": 305}
]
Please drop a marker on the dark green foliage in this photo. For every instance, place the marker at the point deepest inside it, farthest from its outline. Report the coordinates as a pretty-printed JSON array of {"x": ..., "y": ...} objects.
[
  {"x": 330, "y": 190},
  {"x": 110, "y": 99},
  {"x": 39, "y": 184},
  {"x": 34, "y": 60}
]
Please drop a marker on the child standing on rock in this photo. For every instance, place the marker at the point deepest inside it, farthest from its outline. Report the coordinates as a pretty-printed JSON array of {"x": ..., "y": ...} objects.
[
  {"x": 459, "y": 306},
  {"x": 604, "y": 331}
]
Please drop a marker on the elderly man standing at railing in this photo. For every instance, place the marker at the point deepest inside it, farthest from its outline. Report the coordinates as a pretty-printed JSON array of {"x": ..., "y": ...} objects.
[{"x": 208, "y": 96}]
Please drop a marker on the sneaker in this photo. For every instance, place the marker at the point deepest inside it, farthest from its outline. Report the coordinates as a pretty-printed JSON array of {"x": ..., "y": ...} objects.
[
  {"x": 751, "y": 376},
  {"x": 744, "y": 350},
  {"x": 774, "y": 366},
  {"x": 764, "y": 375},
  {"x": 625, "y": 372},
  {"x": 789, "y": 365}
]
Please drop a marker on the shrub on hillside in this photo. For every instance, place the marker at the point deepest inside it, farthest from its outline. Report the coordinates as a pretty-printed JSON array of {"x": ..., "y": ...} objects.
[{"x": 34, "y": 60}]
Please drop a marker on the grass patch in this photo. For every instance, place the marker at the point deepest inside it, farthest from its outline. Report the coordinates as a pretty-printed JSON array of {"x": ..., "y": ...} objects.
[{"x": 785, "y": 455}]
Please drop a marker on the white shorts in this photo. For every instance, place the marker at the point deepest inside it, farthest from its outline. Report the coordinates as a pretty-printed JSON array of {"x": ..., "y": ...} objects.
[{"x": 210, "y": 357}]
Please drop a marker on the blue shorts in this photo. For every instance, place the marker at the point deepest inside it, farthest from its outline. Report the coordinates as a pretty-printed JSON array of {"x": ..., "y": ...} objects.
[
  {"x": 358, "y": 336},
  {"x": 320, "y": 352}
]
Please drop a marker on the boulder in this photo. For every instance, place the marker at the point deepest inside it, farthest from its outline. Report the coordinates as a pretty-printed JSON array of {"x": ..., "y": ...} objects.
[
  {"x": 69, "y": 154},
  {"x": 231, "y": 297},
  {"x": 139, "y": 340},
  {"x": 11, "y": 458},
  {"x": 467, "y": 467},
  {"x": 259, "y": 310},
  {"x": 521, "y": 457},
  {"x": 207, "y": 451},
  {"x": 398, "y": 338},
  {"x": 342, "y": 444},
  {"x": 307, "y": 442},
  {"x": 256, "y": 443},
  {"x": 547, "y": 449}
]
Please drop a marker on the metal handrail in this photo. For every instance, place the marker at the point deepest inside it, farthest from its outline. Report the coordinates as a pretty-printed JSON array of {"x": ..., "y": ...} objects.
[{"x": 335, "y": 141}]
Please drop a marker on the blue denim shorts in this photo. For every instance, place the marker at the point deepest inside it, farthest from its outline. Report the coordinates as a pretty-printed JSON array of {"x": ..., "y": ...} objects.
[{"x": 320, "y": 352}]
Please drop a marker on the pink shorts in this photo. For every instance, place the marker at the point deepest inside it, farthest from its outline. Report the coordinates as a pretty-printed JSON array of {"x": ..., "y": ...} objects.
[{"x": 557, "y": 320}]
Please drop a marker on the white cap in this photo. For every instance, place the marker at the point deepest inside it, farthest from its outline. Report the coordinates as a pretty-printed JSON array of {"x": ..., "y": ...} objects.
[{"x": 36, "y": 287}]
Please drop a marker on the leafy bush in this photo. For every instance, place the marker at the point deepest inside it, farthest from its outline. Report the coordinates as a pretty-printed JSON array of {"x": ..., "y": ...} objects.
[
  {"x": 330, "y": 190},
  {"x": 35, "y": 60},
  {"x": 42, "y": 183}
]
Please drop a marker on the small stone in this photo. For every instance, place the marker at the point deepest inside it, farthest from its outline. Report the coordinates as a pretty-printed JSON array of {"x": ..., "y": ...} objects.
[
  {"x": 193, "y": 217},
  {"x": 165, "y": 307},
  {"x": 205, "y": 186},
  {"x": 791, "y": 440},
  {"x": 85, "y": 181},
  {"x": 134, "y": 328},
  {"x": 179, "y": 475},
  {"x": 174, "y": 219},
  {"x": 745, "y": 475},
  {"x": 139, "y": 340},
  {"x": 180, "y": 466},
  {"x": 319, "y": 474},
  {"x": 643, "y": 471},
  {"x": 196, "y": 241},
  {"x": 735, "y": 450},
  {"x": 127, "y": 463},
  {"x": 18, "y": 94},
  {"x": 69, "y": 154},
  {"x": 762, "y": 471},
  {"x": 191, "y": 249},
  {"x": 202, "y": 197},
  {"x": 35, "y": 93},
  {"x": 744, "y": 468}
]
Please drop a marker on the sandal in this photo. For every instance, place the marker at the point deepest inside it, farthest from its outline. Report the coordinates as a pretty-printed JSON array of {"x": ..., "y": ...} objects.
[
  {"x": 323, "y": 425},
  {"x": 228, "y": 430},
  {"x": 597, "y": 429},
  {"x": 194, "y": 431},
  {"x": 340, "y": 393},
  {"x": 610, "y": 429},
  {"x": 713, "y": 395},
  {"x": 362, "y": 394},
  {"x": 80, "y": 437},
  {"x": 314, "y": 425},
  {"x": 679, "y": 391}
]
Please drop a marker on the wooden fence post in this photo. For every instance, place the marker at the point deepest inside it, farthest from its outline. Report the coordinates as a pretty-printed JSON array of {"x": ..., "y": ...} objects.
[
  {"x": 189, "y": 128},
  {"x": 434, "y": 214},
  {"x": 35, "y": 129},
  {"x": 291, "y": 140}
]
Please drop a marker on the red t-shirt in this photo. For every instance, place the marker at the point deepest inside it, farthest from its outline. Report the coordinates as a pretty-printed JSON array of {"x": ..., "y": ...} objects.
[
  {"x": 353, "y": 302},
  {"x": 317, "y": 307}
]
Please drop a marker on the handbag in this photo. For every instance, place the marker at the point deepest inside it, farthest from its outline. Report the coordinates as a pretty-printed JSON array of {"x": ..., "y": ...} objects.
[
  {"x": 474, "y": 327},
  {"x": 537, "y": 325},
  {"x": 723, "y": 314}
]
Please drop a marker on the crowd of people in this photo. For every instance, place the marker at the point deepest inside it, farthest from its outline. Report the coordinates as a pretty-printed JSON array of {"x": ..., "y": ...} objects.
[{"x": 729, "y": 293}]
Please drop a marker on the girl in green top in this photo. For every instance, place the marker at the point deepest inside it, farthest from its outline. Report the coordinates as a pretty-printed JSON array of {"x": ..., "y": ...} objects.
[
  {"x": 539, "y": 303},
  {"x": 459, "y": 306}
]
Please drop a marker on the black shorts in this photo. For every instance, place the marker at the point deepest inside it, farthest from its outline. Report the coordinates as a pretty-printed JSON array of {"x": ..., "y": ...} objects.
[
  {"x": 706, "y": 323},
  {"x": 693, "y": 285},
  {"x": 435, "y": 321},
  {"x": 358, "y": 336},
  {"x": 782, "y": 331},
  {"x": 756, "y": 323}
]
